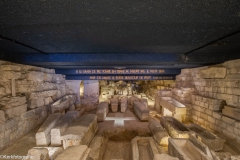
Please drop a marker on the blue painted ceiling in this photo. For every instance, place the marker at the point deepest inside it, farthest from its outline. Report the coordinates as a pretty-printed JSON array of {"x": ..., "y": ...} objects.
[{"x": 68, "y": 34}]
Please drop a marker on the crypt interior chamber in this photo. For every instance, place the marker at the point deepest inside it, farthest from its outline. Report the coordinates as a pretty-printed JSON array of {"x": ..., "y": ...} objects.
[{"x": 120, "y": 80}]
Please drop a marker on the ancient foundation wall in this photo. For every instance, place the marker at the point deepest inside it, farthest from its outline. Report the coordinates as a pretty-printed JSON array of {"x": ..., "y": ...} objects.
[
  {"x": 208, "y": 89},
  {"x": 26, "y": 93}
]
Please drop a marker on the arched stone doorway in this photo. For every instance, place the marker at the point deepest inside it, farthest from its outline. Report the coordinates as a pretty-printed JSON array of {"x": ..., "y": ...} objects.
[{"x": 81, "y": 89}]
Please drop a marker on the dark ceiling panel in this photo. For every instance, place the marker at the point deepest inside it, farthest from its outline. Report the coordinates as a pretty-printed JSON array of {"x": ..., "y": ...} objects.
[{"x": 95, "y": 33}]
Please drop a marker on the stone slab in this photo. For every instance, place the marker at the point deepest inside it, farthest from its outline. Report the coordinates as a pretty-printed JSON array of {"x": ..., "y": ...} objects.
[
  {"x": 160, "y": 135},
  {"x": 141, "y": 111},
  {"x": 81, "y": 131},
  {"x": 102, "y": 111},
  {"x": 61, "y": 126},
  {"x": 79, "y": 152}
]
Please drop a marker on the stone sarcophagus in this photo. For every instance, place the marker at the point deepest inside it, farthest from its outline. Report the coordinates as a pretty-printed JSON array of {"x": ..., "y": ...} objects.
[
  {"x": 102, "y": 111},
  {"x": 63, "y": 103},
  {"x": 141, "y": 111},
  {"x": 175, "y": 128},
  {"x": 143, "y": 148},
  {"x": 231, "y": 112},
  {"x": 184, "y": 149},
  {"x": 124, "y": 104},
  {"x": 81, "y": 131},
  {"x": 212, "y": 141},
  {"x": 114, "y": 104},
  {"x": 171, "y": 107}
]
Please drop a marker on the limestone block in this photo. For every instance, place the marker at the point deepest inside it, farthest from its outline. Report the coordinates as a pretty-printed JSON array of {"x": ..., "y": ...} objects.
[
  {"x": 141, "y": 111},
  {"x": 10, "y": 67},
  {"x": 61, "y": 126},
  {"x": 2, "y": 91},
  {"x": 2, "y": 116},
  {"x": 102, "y": 111},
  {"x": 228, "y": 120},
  {"x": 44, "y": 94},
  {"x": 58, "y": 78},
  {"x": 160, "y": 135},
  {"x": 44, "y": 130},
  {"x": 48, "y": 77},
  {"x": 11, "y": 74},
  {"x": 81, "y": 131},
  {"x": 9, "y": 102},
  {"x": 114, "y": 105},
  {"x": 74, "y": 153},
  {"x": 124, "y": 104},
  {"x": 231, "y": 112},
  {"x": 233, "y": 77},
  {"x": 232, "y": 63},
  {"x": 98, "y": 146},
  {"x": 34, "y": 103},
  {"x": 35, "y": 76},
  {"x": 164, "y": 157},
  {"x": 15, "y": 111},
  {"x": 213, "y": 72}
]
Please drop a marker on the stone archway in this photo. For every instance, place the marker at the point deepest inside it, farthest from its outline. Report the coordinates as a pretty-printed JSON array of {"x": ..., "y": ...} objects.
[{"x": 81, "y": 89}]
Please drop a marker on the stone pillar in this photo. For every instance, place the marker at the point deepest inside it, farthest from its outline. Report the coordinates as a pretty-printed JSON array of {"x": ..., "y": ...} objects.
[{"x": 13, "y": 88}]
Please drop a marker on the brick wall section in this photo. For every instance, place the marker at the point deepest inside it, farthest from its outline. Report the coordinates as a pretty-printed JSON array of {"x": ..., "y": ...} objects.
[
  {"x": 36, "y": 88},
  {"x": 212, "y": 88}
]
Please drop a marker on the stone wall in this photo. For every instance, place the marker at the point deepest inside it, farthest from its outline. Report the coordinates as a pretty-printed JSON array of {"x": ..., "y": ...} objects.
[
  {"x": 26, "y": 93},
  {"x": 209, "y": 89}
]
